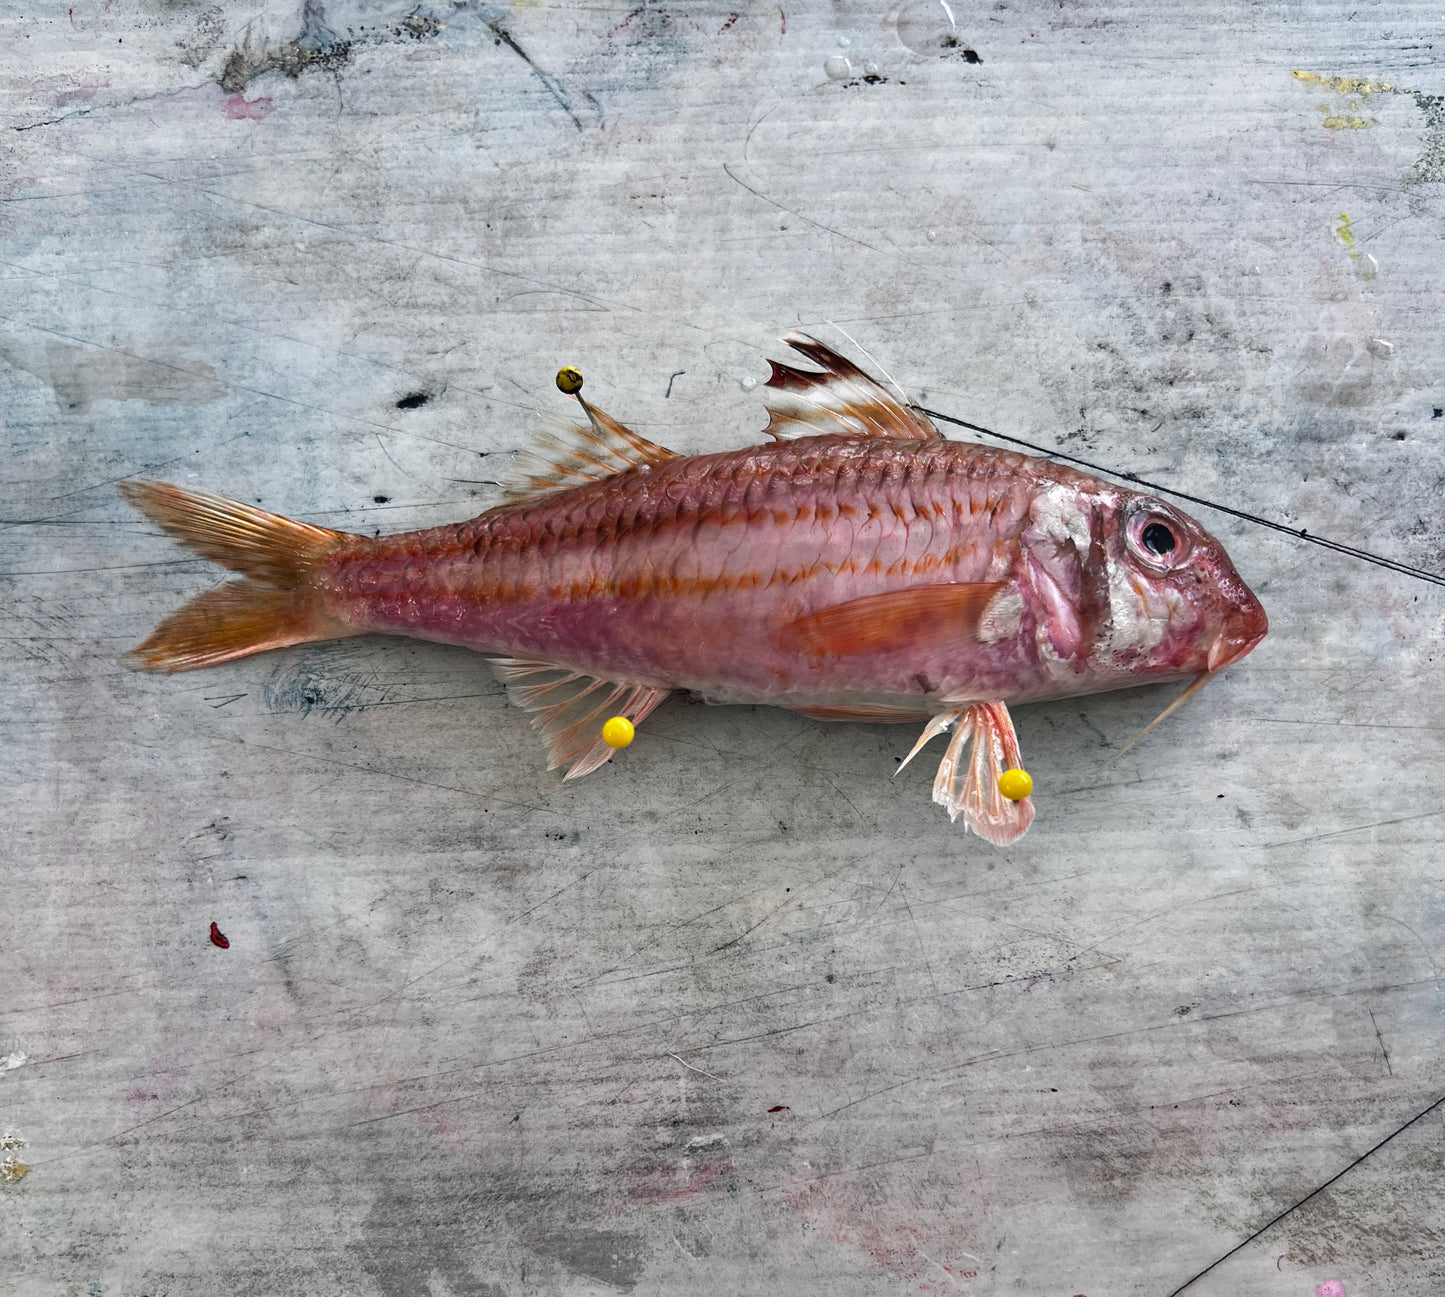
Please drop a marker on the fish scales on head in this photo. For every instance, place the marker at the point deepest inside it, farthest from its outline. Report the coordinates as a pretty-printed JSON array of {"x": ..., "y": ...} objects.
[{"x": 857, "y": 567}]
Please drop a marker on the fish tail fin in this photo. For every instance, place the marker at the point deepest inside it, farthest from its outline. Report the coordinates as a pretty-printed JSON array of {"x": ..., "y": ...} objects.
[{"x": 273, "y": 605}]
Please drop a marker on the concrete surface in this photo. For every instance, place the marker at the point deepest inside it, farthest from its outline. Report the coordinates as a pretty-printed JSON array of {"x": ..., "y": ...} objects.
[{"x": 739, "y": 1014}]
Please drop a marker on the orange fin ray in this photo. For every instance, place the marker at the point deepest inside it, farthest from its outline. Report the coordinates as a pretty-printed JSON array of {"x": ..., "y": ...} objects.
[
  {"x": 862, "y": 712},
  {"x": 842, "y": 399},
  {"x": 931, "y": 615},
  {"x": 271, "y": 608},
  {"x": 938, "y": 725},
  {"x": 564, "y": 454},
  {"x": 251, "y": 541},
  {"x": 569, "y": 708},
  {"x": 969, "y": 787},
  {"x": 233, "y": 621}
]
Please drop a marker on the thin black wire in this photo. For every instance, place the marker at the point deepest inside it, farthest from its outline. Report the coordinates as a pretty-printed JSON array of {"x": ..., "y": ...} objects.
[
  {"x": 1265, "y": 1228},
  {"x": 1299, "y": 533}
]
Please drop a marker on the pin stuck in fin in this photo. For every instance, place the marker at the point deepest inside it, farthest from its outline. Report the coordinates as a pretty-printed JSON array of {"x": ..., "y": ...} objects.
[
  {"x": 570, "y": 709},
  {"x": 971, "y": 787}
]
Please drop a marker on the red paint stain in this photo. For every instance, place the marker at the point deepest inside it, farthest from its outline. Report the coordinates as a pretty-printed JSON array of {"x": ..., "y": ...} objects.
[
  {"x": 668, "y": 1184},
  {"x": 731, "y": 20},
  {"x": 782, "y": 1107},
  {"x": 80, "y": 92},
  {"x": 219, "y": 938},
  {"x": 240, "y": 109}
]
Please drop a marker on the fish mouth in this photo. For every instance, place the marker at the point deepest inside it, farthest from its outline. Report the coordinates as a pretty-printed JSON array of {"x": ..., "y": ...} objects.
[{"x": 1239, "y": 636}]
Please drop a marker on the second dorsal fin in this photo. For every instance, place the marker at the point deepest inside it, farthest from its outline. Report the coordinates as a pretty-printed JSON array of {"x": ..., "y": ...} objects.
[
  {"x": 842, "y": 399},
  {"x": 564, "y": 454}
]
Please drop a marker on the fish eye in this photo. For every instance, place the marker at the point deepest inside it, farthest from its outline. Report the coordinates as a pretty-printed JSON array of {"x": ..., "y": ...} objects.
[
  {"x": 1158, "y": 539},
  {"x": 1155, "y": 536}
]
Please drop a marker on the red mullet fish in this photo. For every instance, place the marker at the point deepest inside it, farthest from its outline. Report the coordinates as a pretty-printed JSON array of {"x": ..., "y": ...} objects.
[{"x": 859, "y": 567}]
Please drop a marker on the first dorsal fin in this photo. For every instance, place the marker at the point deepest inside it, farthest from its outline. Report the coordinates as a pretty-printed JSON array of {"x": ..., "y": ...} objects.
[
  {"x": 570, "y": 708},
  {"x": 842, "y": 399},
  {"x": 564, "y": 454}
]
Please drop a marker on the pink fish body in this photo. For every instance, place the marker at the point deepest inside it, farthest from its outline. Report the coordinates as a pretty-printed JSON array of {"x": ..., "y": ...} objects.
[{"x": 860, "y": 567}]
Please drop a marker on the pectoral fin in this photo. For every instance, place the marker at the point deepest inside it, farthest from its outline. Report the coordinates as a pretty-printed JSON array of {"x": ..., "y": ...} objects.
[
  {"x": 921, "y": 616},
  {"x": 569, "y": 708},
  {"x": 969, "y": 787}
]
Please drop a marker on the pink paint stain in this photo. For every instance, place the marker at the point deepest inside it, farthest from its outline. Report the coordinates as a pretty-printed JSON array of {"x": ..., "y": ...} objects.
[
  {"x": 661, "y": 1185},
  {"x": 1330, "y": 1288},
  {"x": 240, "y": 109},
  {"x": 80, "y": 92}
]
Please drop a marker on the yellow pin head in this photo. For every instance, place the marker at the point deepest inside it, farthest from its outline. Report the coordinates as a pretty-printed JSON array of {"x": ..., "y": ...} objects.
[
  {"x": 569, "y": 380},
  {"x": 617, "y": 731},
  {"x": 1015, "y": 784}
]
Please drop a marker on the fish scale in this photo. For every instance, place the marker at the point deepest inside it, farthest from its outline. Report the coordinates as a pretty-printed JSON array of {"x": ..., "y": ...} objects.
[
  {"x": 690, "y": 545},
  {"x": 862, "y": 567}
]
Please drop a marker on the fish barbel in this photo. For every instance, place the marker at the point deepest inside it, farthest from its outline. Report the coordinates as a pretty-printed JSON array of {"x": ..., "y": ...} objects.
[{"x": 858, "y": 567}]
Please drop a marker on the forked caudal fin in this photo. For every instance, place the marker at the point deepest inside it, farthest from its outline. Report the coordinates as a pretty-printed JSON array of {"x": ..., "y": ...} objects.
[
  {"x": 273, "y": 605},
  {"x": 971, "y": 789}
]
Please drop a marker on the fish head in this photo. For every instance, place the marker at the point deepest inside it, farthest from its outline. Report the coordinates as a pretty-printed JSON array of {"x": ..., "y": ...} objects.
[{"x": 1172, "y": 603}]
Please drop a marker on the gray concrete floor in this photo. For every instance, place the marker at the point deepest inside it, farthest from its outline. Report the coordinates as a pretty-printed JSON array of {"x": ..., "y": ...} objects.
[{"x": 741, "y": 1013}]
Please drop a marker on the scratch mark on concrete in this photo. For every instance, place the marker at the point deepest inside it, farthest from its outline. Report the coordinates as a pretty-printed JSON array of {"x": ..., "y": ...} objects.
[
  {"x": 554, "y": 87},
  {"x": 1385, "y": 1053},
  {"x": 691, "y": 1068},
  {"x": 817, "y": 225},
  {"x": 1359, "y": 828}
]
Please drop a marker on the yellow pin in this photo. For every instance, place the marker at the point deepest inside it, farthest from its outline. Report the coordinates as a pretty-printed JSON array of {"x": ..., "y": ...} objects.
[
  {"x": 617, "y": 731},
  {"x": 1015, "y": 784},
  {"x": 569, "y": 380}
]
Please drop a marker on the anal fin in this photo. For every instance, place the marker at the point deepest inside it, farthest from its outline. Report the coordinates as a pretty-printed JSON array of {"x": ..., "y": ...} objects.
[
  {"x": 569, "y": 708},
  {"x": 970, "y": 787}
]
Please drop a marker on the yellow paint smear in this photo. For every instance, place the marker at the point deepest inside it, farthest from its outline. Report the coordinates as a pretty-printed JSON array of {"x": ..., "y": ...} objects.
[
  {"x": 1340, "y": 122},
  {"x": 1345, "y": 85},
  {"x": 13, "y": 1169}
]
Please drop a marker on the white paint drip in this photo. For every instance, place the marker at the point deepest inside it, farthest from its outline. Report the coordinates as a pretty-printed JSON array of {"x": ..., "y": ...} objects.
[
  {"x": 11, "y": 1061},
  {"x": 698, "y": 1142}
]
